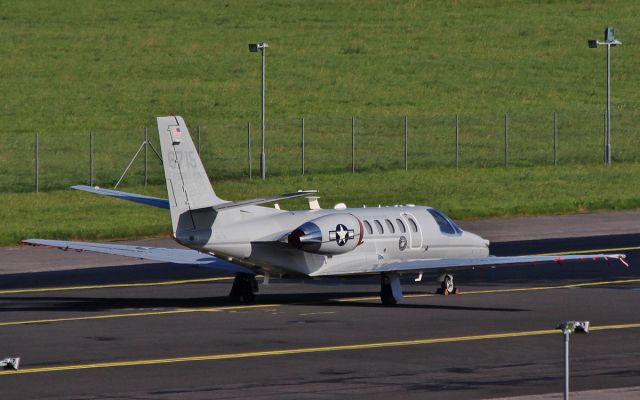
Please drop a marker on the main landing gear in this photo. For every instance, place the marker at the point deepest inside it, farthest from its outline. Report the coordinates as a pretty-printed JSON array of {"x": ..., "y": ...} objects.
[
  {"x": 390, "y": 289},
  {"x": 447, "y": 287},
  {"x": 244, "y": 288}
]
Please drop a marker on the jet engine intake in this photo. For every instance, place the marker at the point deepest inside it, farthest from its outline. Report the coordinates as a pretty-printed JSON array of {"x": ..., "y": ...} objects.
[{"x": 330, "y": 234}]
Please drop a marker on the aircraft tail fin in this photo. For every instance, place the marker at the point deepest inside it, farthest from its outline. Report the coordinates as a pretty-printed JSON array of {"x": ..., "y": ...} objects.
[{"x": 191, "y": 195}]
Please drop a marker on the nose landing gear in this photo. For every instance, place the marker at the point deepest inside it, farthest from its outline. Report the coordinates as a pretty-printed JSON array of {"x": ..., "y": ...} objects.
[{"x": 447, "y": 287}]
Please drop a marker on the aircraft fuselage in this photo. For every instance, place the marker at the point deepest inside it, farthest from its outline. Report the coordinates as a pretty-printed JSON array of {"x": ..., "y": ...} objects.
[{"x": 384, "y": 234}]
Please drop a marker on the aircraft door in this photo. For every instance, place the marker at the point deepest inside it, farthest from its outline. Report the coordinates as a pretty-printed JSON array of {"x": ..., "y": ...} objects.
[{"x": 413, "y": 230}]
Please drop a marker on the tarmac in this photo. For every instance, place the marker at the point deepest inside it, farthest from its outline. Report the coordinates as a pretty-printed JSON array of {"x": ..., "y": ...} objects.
[{"x": 90, "y": 326}]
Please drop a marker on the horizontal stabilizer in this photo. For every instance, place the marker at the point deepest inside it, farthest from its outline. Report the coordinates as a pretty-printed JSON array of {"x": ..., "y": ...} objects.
[
  {"x": 136, "y": 198},
  {"x": 262, "y": 200},
  {"x": 449, "y": 264},
  {"x": 177, "y": 256},
  {"x": 164, "y": 203}
]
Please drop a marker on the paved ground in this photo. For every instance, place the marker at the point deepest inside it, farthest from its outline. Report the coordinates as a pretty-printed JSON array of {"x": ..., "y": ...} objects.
[
  {"x": 556, "y": 226},
  {"x": 140, "y": 332},
  {"x": 631, "y": 393}
]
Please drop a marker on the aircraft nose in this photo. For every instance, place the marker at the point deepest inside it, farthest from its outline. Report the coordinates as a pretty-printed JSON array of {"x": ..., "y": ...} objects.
[{"x": 479, "y": 240}]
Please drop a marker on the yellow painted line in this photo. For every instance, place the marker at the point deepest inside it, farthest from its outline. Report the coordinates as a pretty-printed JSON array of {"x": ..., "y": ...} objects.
[
  {"x": 303, "y": 350},
  {"x": 119, "y": 285},
  {"x": 596, "y": 251},
  {"x": 527, "y": 289},
  {"x": 139, "y": 314}
]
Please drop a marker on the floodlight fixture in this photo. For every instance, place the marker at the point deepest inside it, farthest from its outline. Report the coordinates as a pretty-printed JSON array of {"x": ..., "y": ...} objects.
[
  {"x": 608, "y": 34},
  {"x": 254, "y": 47},
  {"x": 574, "y": 327}
]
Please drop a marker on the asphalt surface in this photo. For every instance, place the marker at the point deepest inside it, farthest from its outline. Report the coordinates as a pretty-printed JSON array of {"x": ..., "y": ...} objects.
[{"x": 109, "y": 335}]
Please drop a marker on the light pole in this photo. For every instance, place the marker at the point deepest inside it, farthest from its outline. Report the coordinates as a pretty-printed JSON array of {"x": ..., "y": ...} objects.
[
  {"x": 567, "y": 328},
  {"x": 254, "y": 47},
  {"x": 609, "y": 41}
]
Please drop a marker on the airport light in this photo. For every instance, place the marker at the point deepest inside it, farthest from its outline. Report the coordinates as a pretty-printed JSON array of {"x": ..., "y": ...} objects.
[
  {"x": 253, "y": 48},
  {"x": 567, "y": 328},
  {"x": 609, "y": 41},
  {"x": 10, "y": 363}
]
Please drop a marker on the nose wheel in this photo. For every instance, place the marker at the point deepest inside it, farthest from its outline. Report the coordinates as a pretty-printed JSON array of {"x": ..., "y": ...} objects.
[{"x": 447, "y": 287}]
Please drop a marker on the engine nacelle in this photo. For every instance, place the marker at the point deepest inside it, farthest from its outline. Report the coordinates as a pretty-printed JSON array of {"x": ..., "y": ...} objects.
[{"x": 331, "y": 234}]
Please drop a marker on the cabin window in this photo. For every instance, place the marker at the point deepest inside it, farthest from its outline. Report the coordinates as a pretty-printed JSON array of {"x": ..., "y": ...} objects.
[
  {"x": 368, "y": 227},
  {"x": 379, "y": 227},
  {"x": 445, "y": 223},
  {"x": 414, "y": 226},
  {"x": 403, "y": 229},
  {"x": 390, "y": 226}
]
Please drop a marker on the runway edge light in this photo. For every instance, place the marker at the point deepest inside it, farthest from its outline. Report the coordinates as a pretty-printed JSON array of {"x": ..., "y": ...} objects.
[
  {"x": 567, "y": 328},
  {"x": 10, "y": 363}
]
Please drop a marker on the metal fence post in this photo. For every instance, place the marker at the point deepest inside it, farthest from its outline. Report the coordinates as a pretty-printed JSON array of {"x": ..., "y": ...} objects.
[
  {"x": 302, "y": 144},
  {"x": 37, "y": 162},
  {"x": 457, "y": 142},
  {"x": 506, "y": 140},
  {"x": 90, "y": 158},
  {"x": 406, "y": 143},
  {"x": 198, "y": 132},
  {"x": 249, "y": 147},
  {"x": 146, "y": 148},
  {"x": 555, "y": 139},
  {"x": 353, "y": 144}
]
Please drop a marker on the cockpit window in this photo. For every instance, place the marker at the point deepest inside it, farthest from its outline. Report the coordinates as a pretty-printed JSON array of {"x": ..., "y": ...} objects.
[{"x": 445, "y": 223}]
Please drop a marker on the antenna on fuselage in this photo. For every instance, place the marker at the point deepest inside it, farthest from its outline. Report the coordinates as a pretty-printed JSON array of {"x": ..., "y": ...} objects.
[{"x": 314, "y": 204}]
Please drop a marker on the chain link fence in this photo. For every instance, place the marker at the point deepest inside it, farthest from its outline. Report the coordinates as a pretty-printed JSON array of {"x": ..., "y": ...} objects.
[{"x": 315, "y": 145}]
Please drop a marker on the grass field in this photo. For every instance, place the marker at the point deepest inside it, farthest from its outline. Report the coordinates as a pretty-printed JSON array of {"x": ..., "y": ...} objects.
[
  {"x": 465, "y": 193},
  {"x": 111, "y": 67},
  {"x": 71, "y": 65}
]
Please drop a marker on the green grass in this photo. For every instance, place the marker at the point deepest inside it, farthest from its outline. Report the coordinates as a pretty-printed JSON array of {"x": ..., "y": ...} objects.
[
  {"x": 105, "y": 65},
  {"x": 111, "y": 67},
  {"x": 464, "y": 194},
  {"x": 72, "y": 66}
]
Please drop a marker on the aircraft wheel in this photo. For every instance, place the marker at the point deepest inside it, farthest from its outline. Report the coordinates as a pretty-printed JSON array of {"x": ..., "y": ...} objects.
[
  {"x": 244, "y": 288},
  {"x": 447, "y": 286}
]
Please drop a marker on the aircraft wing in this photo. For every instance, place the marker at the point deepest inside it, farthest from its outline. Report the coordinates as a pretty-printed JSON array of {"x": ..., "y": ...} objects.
[
  {"x": 136, "y": 198},
  {"x": 447, "y": 264},
  {"x": 177, "y": 256}
]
